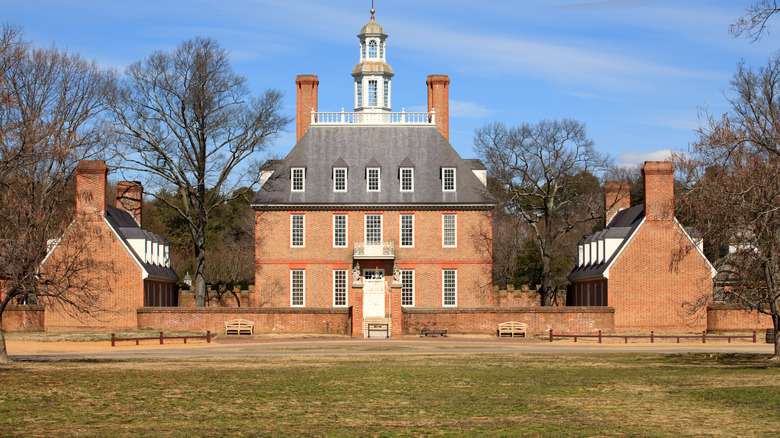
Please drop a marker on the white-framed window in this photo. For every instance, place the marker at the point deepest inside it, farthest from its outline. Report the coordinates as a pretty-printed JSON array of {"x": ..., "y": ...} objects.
[
  {"x": 449, "y": 230},
  {"x": 363, "y": 51},
  {"x": 297, "y": 287},
  {"x": 407, "y": 179},
  {"x": 359, "y": 93},
  {"x": 372, "y": 92},
  {"x": 372, "y": 49},
  {"x": 407, "y": 231},
  {"x": 297, "y": 230},
  {"x": 298, "y": 179},
  {"x": 339, "y": 179},
  {"x": 387, "y": 94},
  {"x": 449, "y": 287},
  {"x": 448, "y": 179},
  {"x": 373, "y": 229},
  {"x": 373, "y": 179},
  {"x": 382, "y": 50},
  {"x": 339, "y": 288},
  {"x": 340, "y": 230},
  {"x": 407, "y": 290}
]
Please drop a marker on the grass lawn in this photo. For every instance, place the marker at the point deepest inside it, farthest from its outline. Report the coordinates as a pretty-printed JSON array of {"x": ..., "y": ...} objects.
[{"x": 395, "y": 395}]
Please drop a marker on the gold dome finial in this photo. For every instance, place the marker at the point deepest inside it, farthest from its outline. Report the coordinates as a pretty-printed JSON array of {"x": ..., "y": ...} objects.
[{"x": 372, "y": 12}]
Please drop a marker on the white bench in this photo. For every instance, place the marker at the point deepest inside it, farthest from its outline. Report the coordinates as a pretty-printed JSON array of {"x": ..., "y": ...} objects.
[
  {"x": 239, "y": 326},
  {"x": 511, "y": 329}
]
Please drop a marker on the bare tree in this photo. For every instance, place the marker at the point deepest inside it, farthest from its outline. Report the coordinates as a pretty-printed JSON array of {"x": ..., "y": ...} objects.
[
  {"x": 734, "y": 196},
  {"x": 754, "y": 24},
  {"x": 50, "y": 106},
  {"x": 186, "y": 119},
  {"x": 542, "y": 170}
]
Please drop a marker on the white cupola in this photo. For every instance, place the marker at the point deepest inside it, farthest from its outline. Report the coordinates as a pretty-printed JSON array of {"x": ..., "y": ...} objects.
[{"x": 372, "y": 74}]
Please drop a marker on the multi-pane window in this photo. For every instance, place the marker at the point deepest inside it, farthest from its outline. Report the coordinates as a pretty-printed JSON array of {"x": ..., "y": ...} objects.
[
  {"x": 297, "y": 230},
  {"x": 359, "y": 94},
  {"x": 297, "y": 287},
  {"x": 373, "y": 181},
  {"x": 407, "y": 230},
  {"x": 340, "y": 230},
  {"x": 373, "y": 229},
  {"x": 448, "y": 179},
  {"x": 382, "y": 50},
  {"x": 449, "y": 230},
  {"x": 298, "y": 178},
  {"x": 372, "y": 90},
  {"x": 363, "y": 51},
  {"x": 407, "y": 179},
  {"x": 387, "y": 94},
  {"x": 450, "y": 287},
  {"x": 339, "y": 287},
  {"x": 339, "y": 179},
  {"x": 372, "y": 49},
  {"x": 407, "y": 288}
]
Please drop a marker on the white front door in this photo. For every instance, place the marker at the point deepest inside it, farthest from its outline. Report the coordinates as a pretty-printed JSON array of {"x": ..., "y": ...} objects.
[{"x": 374, "y": 293}]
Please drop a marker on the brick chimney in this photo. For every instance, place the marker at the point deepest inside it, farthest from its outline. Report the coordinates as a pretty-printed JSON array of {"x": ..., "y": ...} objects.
[
  {"x": 439, "y": 100},
  {"x": 91, "y": 189},
  {"x": 616, "y": 198},
  {"x": 129, "y": 197},
  {"x": 659, "y": 190},
  {"x": 306, "y": 86}
]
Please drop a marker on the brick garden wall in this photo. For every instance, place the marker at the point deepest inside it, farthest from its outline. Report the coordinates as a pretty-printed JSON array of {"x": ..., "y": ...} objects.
[
  {"x": 731, "y": 317},
  {"x": 267, "y": 320},
  {"x": 23, "y": 318},
  {"x": 486, "y": 319}
]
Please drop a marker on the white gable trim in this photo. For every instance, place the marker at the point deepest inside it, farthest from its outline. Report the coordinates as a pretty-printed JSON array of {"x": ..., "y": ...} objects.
[
  {"x": 713, "y": 271},
  {"x": 626, "y": 242},
  {"x": 132, "y": 253}
]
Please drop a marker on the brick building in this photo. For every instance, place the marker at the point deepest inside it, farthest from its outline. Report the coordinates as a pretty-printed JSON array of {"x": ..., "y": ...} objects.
[
  {"x": 127, "y": 267},
  {"x": 644, "y": 264},
  {"x": 373, "y": 210}
]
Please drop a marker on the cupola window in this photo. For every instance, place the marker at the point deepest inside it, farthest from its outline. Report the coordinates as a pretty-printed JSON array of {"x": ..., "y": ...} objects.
[
  {"x": 372, "y": 92},
  {"x": 372, "y": 49}
]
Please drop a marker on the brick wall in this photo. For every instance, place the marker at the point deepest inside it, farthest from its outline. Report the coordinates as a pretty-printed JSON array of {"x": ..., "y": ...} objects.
[
  {"x": 306, "y": 101},
  {"x": 486, "y": 320},
  {"x": 439, "y": 100},
  {"x": 270, "y": 320},
  {"x": 23, "y": 318},
  {"x": 731, "y": 317},
  {"x": 511, "y": 297}
]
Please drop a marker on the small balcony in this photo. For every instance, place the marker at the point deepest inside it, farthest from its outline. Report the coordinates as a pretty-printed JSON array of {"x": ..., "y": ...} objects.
[{"x": 385, "y": 250}]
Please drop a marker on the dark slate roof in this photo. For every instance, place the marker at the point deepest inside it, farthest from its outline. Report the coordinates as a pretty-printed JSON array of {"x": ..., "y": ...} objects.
[
  {"x": 127, "y": 228},
  {"x": 622, "y": 226},
  {"x": 358, "y": 147}
]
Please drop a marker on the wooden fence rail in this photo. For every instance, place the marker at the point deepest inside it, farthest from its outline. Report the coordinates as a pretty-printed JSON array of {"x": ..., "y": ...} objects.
[
  {"x": 114, "y": 339},
  {"x": 703, "y": 336}
]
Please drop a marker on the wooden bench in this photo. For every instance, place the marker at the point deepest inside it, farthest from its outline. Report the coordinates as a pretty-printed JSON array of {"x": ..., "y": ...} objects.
[
  {"x": 239, "y": 326},
  {"x": 511, "y": 329},
  {"x": 427, "y": 333}
]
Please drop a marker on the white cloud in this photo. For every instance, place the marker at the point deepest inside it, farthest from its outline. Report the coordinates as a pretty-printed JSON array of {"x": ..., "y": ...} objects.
[
  {"x": 629, "y": 158},
  {"x": 469, "y": 110}
]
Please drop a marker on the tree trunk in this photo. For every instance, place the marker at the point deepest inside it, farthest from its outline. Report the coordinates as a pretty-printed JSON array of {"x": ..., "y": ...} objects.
[
  {"x": 776, "y": 321},
  {"x": 199, "y": 243},
  {"x": 3, "y": 353},
  {"x": 546, "y": 289}
]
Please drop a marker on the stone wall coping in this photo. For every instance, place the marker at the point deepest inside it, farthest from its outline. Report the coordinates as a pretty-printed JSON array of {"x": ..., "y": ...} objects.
[
  {"x": 511, "y": 310},
  {"x": 246, "y": 310}
]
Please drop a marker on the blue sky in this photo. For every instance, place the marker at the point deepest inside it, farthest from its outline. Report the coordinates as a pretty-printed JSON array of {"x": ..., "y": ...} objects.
[{"x": 636, "y": 72}]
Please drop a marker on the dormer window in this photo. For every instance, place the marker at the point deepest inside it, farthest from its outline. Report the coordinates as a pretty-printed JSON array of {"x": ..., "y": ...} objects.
[
  {"x": 373, "y": 179},
  {"x": 372, "y": 49},
  {"x": 407, "y": 179},
  {"x": 339, "y": 179},
  {"x": 448, "y": 179},
  {"x": 298, "y": 179}
]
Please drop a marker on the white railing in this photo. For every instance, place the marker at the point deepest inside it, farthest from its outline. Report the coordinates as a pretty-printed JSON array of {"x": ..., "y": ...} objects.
[
  {"x": 380, "y": 118},
  {"x": 382, "y": 250}
]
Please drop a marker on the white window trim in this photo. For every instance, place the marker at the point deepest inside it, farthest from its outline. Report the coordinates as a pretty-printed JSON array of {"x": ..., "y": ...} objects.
[
  {"x": 454, "y": 179},
  {"x": 345, "y": 179},
  {"x": 411, "y": 171},
  {"x": 303, "y": 287},
  {"x": 414, "y": 286},
  {"x": 346, "y": 288},
  {"x": 443, "y": 288},
  {"x": 346, "y": 230},
  {"x": 303, "y": 179},
  {"x": 378, "y": 179},
  {"x": 443, "y": 233},
  {"x": 381, "y": 227},
  {"x": 401, "y": 230},
  {"x": 292, "y": 245}
]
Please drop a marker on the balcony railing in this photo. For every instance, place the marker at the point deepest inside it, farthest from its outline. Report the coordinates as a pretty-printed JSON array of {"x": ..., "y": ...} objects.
[
  {"x": 378, "y": 118},
  {"x": 385, "y": 250}
]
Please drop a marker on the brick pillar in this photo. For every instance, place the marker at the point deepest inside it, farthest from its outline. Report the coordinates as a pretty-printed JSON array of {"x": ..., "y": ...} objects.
[
  {"x": 357, "y": 310},
  {"x": 396, "y": 314},
  {"x": 129, "y": 197},
  {"x": 91, "y": 189},
  {"x": 439, "y": 100},
  {"x": 659, "y": 190},
  {"x": 306, "y": 86},
  {"x": 616, "y": 198}
]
